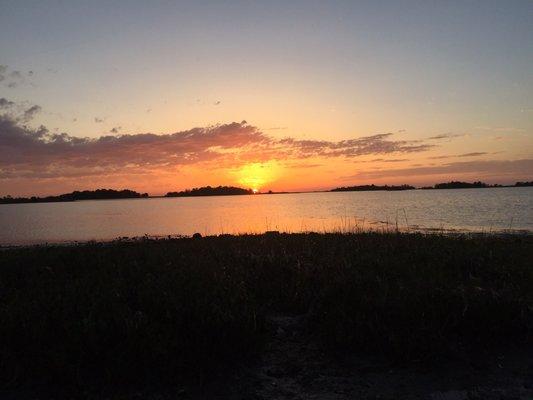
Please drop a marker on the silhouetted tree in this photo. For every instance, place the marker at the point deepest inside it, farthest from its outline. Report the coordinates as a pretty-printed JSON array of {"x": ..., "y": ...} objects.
[
  {"x": 211, "y": 191},
  {"x": 365, "y": 188}
]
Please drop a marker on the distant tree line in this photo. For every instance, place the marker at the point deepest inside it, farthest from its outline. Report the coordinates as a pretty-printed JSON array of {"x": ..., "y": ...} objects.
[
  {"x": 210, "y": 191},
  {"x": 365, "y": 188},
  {"x": 522, "y": 184},
  {"x": 477, "y": 184},
  {"x": 446, "y": 185},
  {"x": 103, "y": 194},
  {"x": 99, "y": 194},
  {"x": 460, "y": 185}
]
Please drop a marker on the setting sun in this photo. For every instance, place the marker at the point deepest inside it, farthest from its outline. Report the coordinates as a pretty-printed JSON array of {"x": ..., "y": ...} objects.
[{"x": 257, "y": 175}]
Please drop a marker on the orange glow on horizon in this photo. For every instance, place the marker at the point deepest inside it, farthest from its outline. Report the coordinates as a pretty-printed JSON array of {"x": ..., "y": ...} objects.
[{"x": 255, "y": 176}]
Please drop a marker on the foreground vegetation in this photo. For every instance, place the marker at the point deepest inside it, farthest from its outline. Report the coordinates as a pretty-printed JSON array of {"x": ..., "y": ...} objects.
[{"x": 162, "y": 309}]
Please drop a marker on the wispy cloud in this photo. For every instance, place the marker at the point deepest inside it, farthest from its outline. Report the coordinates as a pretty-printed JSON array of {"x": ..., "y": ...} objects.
[
  {"x": 13, "y": 78},
  {"x": 29, "y": 113},
  {"x": 473, "y": 154},
  {"x": 499, "y": 129},
  {"x": 394, "y": 160},
  {"x": 447, "y": 136},
  {"x": 376, "y": 144},
  {"x": 4, "y": 103},
  {"x": 501, "y": 168}
]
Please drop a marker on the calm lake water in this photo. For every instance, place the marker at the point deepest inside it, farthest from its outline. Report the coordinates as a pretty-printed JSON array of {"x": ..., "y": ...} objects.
[{"x": 458, "y": 209}]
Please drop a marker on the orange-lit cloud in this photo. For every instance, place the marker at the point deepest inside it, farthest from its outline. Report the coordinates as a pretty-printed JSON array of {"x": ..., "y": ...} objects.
[
  {"x": 37, "y": 152},
  {"x": 35, "y": 159}
]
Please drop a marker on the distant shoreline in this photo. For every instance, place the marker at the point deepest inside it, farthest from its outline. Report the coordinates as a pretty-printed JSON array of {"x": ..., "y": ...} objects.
[
  {"x": 110, "y": 194},
  {"x": 452, "y": 233}
]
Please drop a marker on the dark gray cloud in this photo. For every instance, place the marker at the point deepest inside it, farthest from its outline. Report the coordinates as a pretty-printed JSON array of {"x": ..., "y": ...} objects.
[
  {"x": 18, "y": 112},
  {"x": 5, "y": 103},
  {"x": 30, "y": 113}
]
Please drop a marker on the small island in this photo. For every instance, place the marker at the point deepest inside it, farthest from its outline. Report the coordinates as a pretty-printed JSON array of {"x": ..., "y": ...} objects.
[
  {"x": 211, "y": 191},
  {"x": 368, "y": 188},
  {"x": 523, "y": 184},
  {"x": 98, "y": 194},
  {"x": 473, "y": 185}
]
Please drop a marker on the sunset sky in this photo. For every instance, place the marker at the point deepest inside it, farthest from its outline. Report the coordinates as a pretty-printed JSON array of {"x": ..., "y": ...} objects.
[{"x": 159, "y": 96}]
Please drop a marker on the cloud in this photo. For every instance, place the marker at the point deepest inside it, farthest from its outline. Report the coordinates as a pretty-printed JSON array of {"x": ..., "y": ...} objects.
[
  {"x": 116, "y": 129},
  {"x": 4, "y": 103},
  {"x": 447, "y": 136},
  {"x": 37, "y": 152},
  {"x": 375, "y": 144},
  {"x": 499, "y": 129},
  {"x": 98, "y": 120},
  {"x": 12, "y": 78},
  {"x": 31, "y": 112},
  {"x": 511, "y": 169},
  {"x": 18, "y": 112},
  {"x": 473, "y": 154}
]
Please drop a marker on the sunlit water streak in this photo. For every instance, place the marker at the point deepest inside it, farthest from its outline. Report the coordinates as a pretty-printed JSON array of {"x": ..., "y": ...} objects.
[{"x": 459, "y": 209}]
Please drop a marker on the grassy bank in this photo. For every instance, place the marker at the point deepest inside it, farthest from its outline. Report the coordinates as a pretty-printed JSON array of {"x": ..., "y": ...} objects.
[{"x": 160, "y": 309}]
